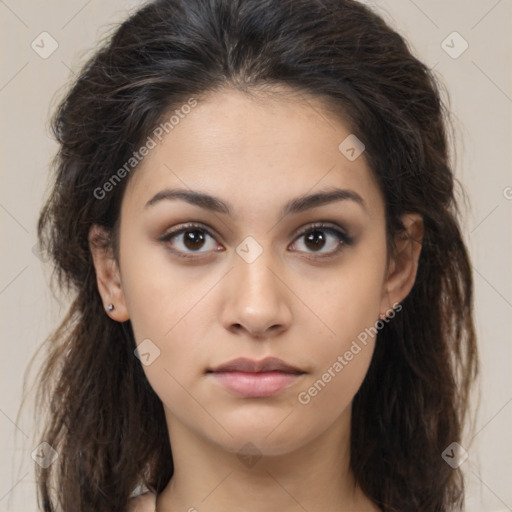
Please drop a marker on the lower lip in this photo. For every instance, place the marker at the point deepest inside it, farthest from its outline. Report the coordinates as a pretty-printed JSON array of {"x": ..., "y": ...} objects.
[{"x": 252, "y": 385}]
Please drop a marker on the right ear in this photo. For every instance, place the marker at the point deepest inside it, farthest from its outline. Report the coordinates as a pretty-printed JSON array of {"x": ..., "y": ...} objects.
[{"x": 108, "y": 277}]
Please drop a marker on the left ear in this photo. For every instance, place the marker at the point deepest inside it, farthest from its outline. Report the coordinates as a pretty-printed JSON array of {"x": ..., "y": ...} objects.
[{"x": 403, "y": 264}]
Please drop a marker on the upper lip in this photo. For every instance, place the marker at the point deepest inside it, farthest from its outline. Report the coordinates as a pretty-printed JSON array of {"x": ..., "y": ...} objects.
[{"x": 269, "y": 364}]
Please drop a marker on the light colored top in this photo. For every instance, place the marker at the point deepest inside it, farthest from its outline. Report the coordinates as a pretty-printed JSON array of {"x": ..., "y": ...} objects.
[{"x": 146, "y": 502}]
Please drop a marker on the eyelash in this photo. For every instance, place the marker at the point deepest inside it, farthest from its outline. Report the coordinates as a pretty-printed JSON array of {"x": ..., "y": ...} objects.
[{"x": 340, "y": 234}]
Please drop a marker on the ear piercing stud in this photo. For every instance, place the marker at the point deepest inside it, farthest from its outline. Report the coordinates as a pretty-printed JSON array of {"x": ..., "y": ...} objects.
[{"x": 110, "y": 307}]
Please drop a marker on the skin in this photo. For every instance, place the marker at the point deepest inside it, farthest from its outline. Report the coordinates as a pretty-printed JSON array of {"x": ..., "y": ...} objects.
[{"x": 256, "y": 153}]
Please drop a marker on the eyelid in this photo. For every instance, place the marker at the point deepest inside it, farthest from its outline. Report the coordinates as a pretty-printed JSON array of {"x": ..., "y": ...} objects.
[
  {"x": 320, "y": 224},
  {"x": 189, "y": 225}
]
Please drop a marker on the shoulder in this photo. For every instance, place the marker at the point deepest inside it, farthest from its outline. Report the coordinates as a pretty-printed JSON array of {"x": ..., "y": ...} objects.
[{"x": 143, "y": 503}]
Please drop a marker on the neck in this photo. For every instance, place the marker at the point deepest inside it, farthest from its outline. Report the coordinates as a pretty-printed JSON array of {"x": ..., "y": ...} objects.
[{"x": 316, "y": 476}]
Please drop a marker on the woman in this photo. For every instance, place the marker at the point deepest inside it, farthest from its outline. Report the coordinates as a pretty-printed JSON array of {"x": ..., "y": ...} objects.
[{"x": 254, "y": 208}]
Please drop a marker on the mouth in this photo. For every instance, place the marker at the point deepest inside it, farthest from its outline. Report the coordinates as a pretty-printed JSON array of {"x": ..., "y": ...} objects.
[{"x": 255, "y": 379}]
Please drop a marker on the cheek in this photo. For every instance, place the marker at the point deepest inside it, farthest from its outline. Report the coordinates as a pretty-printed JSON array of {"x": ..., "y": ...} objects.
[
  {"x": 342, "y": 358},
  {"x": 331, "y": 392},
  {"x": 159, "y": 294},
  {"x": 349, "y": 308},
  {"x": 350, "y": 302},
  {"x": 170, "y": 313}
]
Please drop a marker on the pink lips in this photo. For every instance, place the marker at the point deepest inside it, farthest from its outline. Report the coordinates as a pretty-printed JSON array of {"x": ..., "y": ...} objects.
[{"x": 253, "y": 379}]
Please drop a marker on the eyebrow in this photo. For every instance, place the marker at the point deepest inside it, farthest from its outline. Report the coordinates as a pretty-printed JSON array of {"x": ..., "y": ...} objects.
[{"x": 294, "y": 206}]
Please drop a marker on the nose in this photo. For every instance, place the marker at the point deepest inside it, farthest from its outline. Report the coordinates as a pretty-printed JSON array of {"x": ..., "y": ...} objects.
[{"x": 258, "y": 300}]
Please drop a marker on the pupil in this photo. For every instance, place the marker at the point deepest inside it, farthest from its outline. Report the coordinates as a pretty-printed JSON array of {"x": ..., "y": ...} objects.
[
  {"x": 193, "y": 239},
  {"x": 315, "y": 237}
]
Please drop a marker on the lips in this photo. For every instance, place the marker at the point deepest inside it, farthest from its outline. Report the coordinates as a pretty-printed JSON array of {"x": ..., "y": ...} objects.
[
  {"x": 255, "y": 379},
  {"x": 270, "y": 364}
]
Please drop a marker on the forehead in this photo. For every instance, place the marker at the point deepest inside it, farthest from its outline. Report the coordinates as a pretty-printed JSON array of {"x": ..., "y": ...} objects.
[{"x": 255, "y": 150}]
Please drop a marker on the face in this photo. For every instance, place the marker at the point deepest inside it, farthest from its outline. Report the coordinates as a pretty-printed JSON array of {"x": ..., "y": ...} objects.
[{"x": 283, "y": 255}]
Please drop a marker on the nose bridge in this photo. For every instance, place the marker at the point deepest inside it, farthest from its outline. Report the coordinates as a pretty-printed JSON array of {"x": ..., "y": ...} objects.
[
  {"x": 258, "y": 300},
  {"x": 253, "y": 269}
]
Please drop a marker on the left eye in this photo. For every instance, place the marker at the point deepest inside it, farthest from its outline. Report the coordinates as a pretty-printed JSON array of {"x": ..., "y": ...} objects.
[
  {"x": 317, "y": 238},
  {"x": 192, "y": 238}
]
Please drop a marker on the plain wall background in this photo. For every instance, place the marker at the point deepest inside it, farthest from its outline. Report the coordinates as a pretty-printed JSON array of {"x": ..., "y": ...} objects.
[{"x": 479, "y": 85}]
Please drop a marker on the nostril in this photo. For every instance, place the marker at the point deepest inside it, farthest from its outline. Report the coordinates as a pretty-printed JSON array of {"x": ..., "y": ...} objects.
[{"x": 236, "y": 327}]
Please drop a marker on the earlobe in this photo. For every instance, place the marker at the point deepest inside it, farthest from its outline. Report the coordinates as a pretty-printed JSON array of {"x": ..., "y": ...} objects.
[
  {"x": 403, "y": 265},
  {"x": 108, "y": 277}
]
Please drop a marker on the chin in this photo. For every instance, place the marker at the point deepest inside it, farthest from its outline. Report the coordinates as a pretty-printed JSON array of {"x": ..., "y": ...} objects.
[{"x": 267, "y": 437}]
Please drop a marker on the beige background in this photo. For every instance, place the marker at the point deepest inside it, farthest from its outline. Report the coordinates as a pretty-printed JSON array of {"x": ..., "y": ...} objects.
[{"x": 479, "y": 84}]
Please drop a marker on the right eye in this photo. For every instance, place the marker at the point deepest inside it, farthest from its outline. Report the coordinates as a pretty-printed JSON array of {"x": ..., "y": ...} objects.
[{"x": 189, "y": 239}]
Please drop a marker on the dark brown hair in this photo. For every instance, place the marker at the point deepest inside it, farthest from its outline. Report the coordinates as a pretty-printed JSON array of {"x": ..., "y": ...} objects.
[{"x": 103, "y": 418}]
